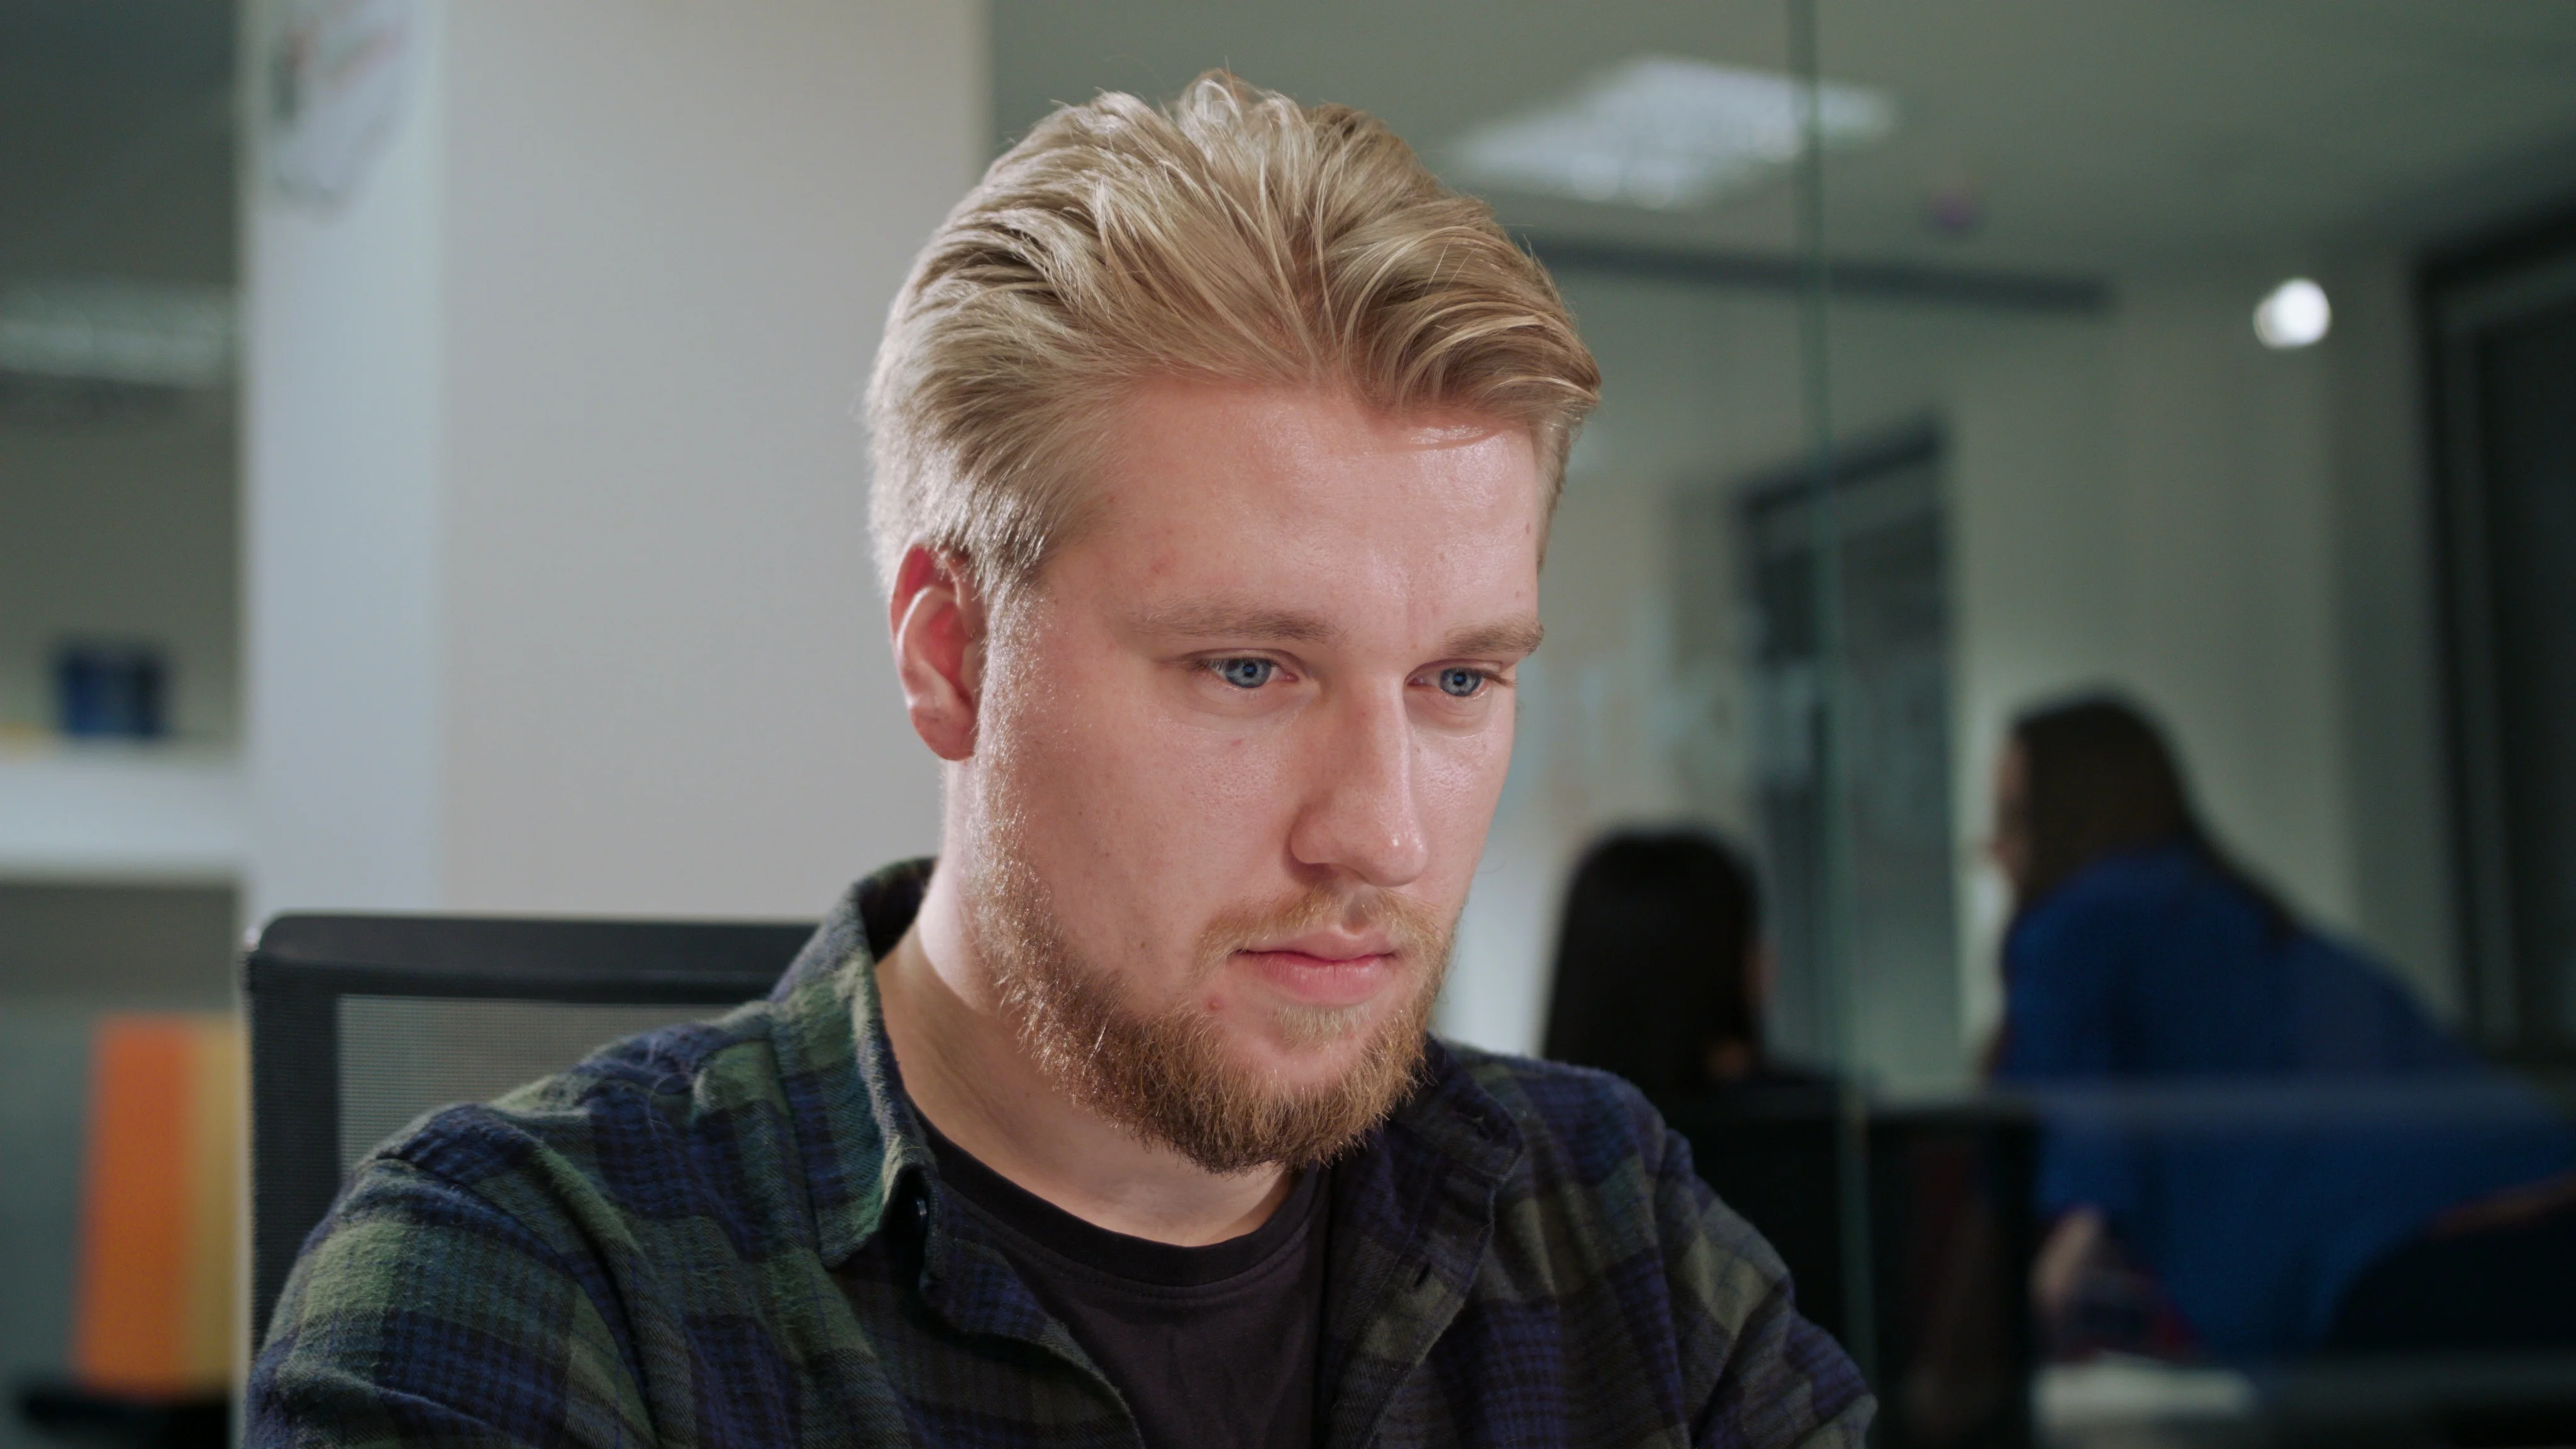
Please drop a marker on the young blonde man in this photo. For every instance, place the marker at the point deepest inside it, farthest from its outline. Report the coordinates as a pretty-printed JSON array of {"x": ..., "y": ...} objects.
[{"x": 1216, "y": 447}]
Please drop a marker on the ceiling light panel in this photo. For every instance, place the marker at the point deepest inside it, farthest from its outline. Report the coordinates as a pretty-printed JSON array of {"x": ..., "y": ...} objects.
[
  {"x": 153, "y": 334},
  {"x": 1667, "y": 132}
]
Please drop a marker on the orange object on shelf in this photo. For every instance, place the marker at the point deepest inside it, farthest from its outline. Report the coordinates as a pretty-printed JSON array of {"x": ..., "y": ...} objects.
[{"x": 154, "y": 1306}]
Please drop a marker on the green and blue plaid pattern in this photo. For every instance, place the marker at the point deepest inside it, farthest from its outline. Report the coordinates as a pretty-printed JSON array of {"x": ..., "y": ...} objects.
[{"x": 733, "y": 1234}]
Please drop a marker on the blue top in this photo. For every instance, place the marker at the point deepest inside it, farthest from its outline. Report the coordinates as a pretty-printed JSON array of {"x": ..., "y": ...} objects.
[{"x": 2300, "y": 1115}]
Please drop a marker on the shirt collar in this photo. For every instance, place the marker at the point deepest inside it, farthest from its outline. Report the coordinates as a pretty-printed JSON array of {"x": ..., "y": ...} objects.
[{"x": 854, "y": 1127}]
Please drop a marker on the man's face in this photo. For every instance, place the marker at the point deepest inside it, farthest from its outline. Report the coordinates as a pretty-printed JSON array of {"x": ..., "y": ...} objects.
[{"x": 1237, "y": 752}]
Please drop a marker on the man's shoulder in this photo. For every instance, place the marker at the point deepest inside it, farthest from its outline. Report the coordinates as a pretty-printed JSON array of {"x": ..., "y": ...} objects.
[
  {"x": 651, "y": 1177},
  {"x": 654, "y": 1193}
]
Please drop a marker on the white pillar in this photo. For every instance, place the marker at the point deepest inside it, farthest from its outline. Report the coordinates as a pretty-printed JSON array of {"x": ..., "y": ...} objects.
[{"x": 558, "y": 581}]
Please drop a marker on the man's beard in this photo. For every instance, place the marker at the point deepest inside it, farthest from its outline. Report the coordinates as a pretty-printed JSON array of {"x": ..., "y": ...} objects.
[{"x": 1169, "y": 1076}]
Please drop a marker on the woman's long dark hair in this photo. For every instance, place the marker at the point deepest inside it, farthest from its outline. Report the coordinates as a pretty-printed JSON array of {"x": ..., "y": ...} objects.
[
  {"x": 2099, "y": 779},
  {"x": 1652, "y": 957}
]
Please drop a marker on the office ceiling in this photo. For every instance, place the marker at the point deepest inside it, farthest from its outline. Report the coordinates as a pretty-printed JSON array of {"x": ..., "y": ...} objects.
[
  {"x": 2087, "y": 134},
  {"x": 2084, "y": 135},
  {"x": 116, "y": 138},
  {"x": 188, "y": 42}
]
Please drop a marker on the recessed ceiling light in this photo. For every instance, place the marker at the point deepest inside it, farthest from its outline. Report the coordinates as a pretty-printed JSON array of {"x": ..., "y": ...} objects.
[
  {"x": 1662, "y": 131},
  {"x": 2294, "y": 315}
]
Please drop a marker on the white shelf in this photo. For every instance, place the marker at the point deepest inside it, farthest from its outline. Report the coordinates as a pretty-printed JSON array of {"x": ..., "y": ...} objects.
[{"x": 120, "y": 812}]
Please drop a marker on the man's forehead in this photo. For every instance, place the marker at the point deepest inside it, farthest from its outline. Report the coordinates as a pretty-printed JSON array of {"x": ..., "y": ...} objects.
[
  {"x": 1248, "y": 621},
  {"x": 1296, "y": 517}
]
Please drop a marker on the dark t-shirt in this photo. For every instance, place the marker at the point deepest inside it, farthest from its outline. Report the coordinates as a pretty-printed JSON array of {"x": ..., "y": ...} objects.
[{"x": 1212, "y": 1345}]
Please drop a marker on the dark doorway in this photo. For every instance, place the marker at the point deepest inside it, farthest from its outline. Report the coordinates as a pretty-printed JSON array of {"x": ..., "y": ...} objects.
[
  {"x": 2503, "y": 330},
  {"x": 1901, "y": 947}
]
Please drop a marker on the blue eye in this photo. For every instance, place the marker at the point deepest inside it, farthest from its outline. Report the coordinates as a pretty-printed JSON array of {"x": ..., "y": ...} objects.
[
  {"x": 1461, "y": 683},
  {"x": 1245, "y": 673}
]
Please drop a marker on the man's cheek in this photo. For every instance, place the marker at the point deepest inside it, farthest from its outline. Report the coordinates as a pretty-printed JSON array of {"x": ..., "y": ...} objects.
[
  {"x": 1174, "y": 810},
  {"x": 1461, "y": 812},
  {"x": 1465, "y": 782},
  {"x": 1238, "y": 776}
]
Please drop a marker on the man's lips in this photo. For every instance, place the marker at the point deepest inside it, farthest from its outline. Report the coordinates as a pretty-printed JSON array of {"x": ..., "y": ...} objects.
[{"x": 1310, "y": 977}]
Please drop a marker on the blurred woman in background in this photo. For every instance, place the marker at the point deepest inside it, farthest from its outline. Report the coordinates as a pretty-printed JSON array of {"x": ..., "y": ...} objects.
[
  {"x": 1663, "y": 977},
  {"x": 2357, "y": 1163},
  {"x": 1661, "y": 973}
]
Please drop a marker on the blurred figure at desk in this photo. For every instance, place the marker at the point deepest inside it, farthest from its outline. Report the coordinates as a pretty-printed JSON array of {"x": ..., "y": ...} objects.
[
  {"x": 2252, "y": 1118},
  {"x": 1663, "y": 976},
  {"x": 1661, "y": 973}
]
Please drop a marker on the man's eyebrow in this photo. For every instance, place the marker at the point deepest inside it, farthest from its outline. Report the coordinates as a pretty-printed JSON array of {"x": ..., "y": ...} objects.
[
  {"x": 1246, "y": 622},
  {"x": 1513, "y": 638}
]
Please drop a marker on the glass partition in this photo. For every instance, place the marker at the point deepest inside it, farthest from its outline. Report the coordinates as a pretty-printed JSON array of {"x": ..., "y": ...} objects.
[
  {"x": 2064, "y": 622},
  {"x": 2232, "y": 347},
  {"x": 2085, "y": 503}
]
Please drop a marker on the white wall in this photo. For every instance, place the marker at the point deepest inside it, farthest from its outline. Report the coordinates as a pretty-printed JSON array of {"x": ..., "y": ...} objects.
[
  {"x": 342, "y": 475},
  {"x": 672, "y": 249},
  {"x": 2226, "y": 569},
  {"x": 560, "y": 586}
]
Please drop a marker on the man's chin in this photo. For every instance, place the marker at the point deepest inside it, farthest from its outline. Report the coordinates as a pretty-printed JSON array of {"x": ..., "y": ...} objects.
[
  {"x": 1246, "y": 1080},
  {"x": 1282, "y": 1084},
  {"x": 1296, "y": 1033},
  {"x": 1305, "y": 1058},
  {"x": 1294, "y": 1105}
]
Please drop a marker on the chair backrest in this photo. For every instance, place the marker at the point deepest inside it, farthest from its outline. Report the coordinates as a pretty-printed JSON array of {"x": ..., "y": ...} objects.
[{"x": 360, "y": 1023}]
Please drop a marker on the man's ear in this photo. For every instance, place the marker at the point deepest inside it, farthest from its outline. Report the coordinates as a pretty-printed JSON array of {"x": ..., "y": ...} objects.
[{"x": 938, "y": 621}]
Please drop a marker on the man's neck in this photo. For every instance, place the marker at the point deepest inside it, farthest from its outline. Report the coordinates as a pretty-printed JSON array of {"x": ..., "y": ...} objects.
[{"x": 964, "y": 1070}]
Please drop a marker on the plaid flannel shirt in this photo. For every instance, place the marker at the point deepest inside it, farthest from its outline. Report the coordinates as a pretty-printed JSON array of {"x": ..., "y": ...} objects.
[{"x": 733, "y": 1234}]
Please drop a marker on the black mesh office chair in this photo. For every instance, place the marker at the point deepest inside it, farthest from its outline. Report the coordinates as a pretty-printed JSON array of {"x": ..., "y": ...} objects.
[{"x": 358, "y": 1024}]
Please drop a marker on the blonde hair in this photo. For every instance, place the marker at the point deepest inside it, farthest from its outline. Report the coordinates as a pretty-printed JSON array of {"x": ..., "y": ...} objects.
[{"x": 1233, "y": 236}]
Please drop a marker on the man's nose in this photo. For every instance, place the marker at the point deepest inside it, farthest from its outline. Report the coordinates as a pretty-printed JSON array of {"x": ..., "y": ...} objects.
[{"x": 1363, "y": 817}]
